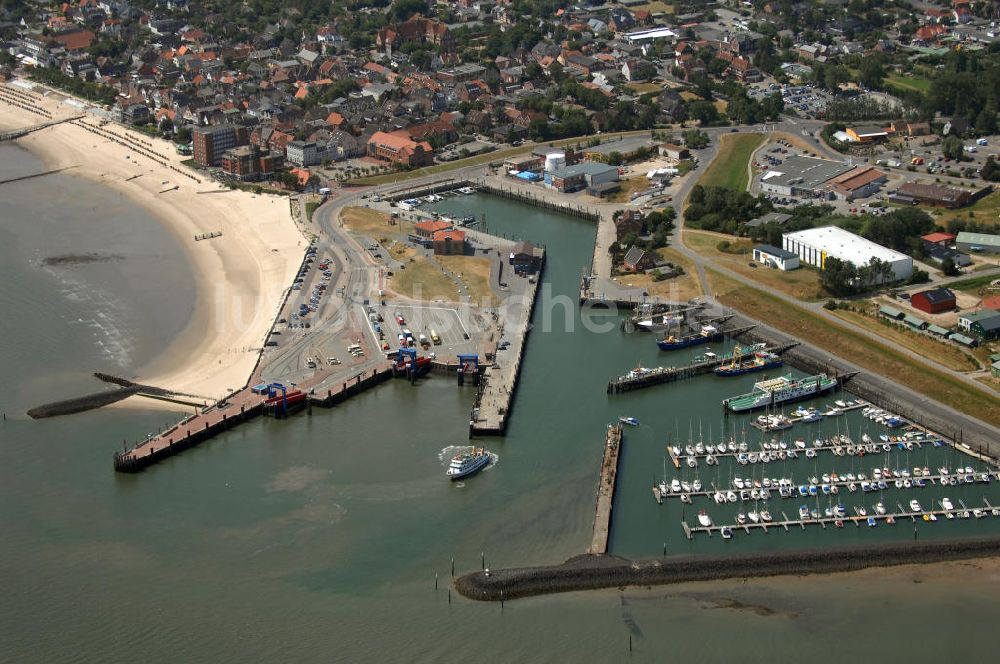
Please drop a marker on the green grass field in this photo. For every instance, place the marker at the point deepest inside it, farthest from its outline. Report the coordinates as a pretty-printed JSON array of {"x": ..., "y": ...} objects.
[
  {"x": 914, "y": 83},
  {"x": 729, "y": 168}
]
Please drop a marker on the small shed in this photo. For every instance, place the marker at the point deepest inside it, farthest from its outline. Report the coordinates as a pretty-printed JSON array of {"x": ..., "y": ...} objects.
[
  {"x": 638, "y": 260},
  {"x": 938, "y": 330},
  {"x": 963, "y": 340},
  {"x": 773, "y": 257},
  {"x": 914, "y": 322},
  {"x": 890, "y": 312},
  {"x": 526, "y": 258}
]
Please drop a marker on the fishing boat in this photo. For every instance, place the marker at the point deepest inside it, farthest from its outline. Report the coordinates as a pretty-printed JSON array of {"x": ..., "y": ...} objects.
[
  {"x": 707, "y": 334},
  {"x": 631, "y": 421},
  {"x": 784, "y": 389},
  {"x": 659, "y": 323},
  {"x": 746, "y": 360},
  {"x": 468, "y": 463}
]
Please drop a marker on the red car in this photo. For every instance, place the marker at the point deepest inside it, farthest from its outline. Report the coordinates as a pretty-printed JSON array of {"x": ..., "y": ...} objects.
[{"x": 400, "y": 319}]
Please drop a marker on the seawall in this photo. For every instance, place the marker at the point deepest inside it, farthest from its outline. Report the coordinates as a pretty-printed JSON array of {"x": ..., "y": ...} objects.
[{"x": 590, "y": 572}]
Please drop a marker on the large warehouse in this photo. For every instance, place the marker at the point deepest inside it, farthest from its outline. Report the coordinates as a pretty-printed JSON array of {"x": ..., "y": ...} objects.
[
  {"x": 815, "y": 245},
  {"x": 801, "y": 176}
]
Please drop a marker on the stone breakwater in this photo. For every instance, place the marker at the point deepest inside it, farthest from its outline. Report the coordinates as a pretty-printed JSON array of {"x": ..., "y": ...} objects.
[{"x": 591, "y": 572}]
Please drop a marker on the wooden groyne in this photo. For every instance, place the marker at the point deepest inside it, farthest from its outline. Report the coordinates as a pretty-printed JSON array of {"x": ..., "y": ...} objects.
[
  {"x": 606, "y": 490},
  {"x": 497, "y": 384},
  {"x": 24, "y": 131},
  {"x": 36, "y": 175},
  {"x": 661, "y": 375},
  {"x": 539, "y": 201},
  {"x": 590, "y": 572}
]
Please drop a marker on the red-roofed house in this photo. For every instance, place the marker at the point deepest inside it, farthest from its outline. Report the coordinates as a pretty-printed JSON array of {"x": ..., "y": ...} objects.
[
  {"x": 398, "y": 148},
  {"x": 943, "y": 239},
  {"x": 76, "y": 40},
  {"x": 427, "y": 229},
  {"x": 449, "y": 243}
]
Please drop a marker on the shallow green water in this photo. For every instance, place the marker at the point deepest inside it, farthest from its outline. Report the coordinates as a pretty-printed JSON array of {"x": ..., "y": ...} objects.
[{"x": 318, "y": 538}]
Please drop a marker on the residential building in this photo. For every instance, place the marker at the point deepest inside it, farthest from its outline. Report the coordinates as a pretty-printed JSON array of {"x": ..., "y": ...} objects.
[
  {"x": 248, "y": 163},
  {"x": 815, "y": 245},
  {"x": 301, "y": 153},
  {"x": 449, "y": 242},
  {"x": 638, "y": 260},
  {"x": 211, "y": 142},
  {"x": 398, "y": 148},
  {"x": 984, "y": 323},
  {"x": 933, "y": 301},
  {"x": 770, "y": 256}
]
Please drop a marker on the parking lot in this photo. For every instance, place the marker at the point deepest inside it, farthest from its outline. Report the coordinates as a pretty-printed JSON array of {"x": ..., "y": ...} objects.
[{"x": 455, "y": 336}]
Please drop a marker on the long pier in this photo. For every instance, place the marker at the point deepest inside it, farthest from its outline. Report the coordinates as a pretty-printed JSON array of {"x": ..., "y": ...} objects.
[
  {"x": 606, "y": 490},
  {"x": 661, "y": 375},
  {"x": 240, "y": 406},
  {"x": 962, "y": 512},
  {"x": 498, "y": 383}
]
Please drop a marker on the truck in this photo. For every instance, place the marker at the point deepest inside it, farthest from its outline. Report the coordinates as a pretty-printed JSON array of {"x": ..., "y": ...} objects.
[
  {"x": 424, "y": 341},
  {"x": 917, "y": 161},
  {"x": 982, "y": 141},
  {"x": 435, "y": 338}
]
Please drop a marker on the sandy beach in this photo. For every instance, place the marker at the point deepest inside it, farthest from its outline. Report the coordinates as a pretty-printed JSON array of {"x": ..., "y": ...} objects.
[{"x": 241, "y": 276}]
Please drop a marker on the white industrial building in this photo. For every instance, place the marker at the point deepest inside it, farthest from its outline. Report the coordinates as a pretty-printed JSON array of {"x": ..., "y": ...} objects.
[{"x": 815, "y": 245}]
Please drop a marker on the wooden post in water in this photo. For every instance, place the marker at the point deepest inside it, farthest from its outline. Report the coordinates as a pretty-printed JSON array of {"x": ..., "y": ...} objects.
[{"x": 453, "y": 567}]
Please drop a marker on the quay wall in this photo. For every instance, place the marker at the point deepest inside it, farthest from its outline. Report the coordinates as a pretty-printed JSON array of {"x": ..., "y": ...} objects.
[
  {"x": 538, "y": 201},
  {"x": 886, "y": 394},
  {"x": 477, "y": 428},
  {"x": 590, "y": 572},
  {"x": 424, "y": 190},
  {"x": 352, "y": 387}
]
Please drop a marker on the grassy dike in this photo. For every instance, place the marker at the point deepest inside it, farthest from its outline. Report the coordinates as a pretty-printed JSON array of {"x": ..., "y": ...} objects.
[
  {"x": 729, "y": 168},
  {"x": 850, "y": 344}
]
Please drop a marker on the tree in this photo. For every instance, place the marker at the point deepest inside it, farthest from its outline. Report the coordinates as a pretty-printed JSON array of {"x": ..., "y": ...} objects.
[
  {"x": 704, "y": 112},
  {"x": 404, "y": 9},
  {"x": 991, "y": 172},
  {"x": 952, "y": 147},
  {"x": 838, "y": 277},
  {"x": 871, "y": 73},
  {"x": 695, "y": 139},
  {"x": 948, "y": 267}
]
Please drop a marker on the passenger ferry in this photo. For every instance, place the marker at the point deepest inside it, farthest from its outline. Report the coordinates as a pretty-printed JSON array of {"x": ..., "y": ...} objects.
[
  {"x": 468, "y": 463},
  {"x": 784, "y": 389}
]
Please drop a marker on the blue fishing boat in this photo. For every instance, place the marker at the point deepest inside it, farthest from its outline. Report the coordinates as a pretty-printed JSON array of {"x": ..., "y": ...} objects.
[{"x": 707, "y": 334}]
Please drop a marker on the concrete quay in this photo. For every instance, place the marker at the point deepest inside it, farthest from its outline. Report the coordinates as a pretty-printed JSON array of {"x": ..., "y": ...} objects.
[
  {"x": 499, "y": 380},
  {"x": 606, "y": 490}
]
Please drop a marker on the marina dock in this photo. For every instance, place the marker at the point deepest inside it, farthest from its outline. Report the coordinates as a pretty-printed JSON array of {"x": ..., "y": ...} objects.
[
  {"x": 871, "y": 520},
  {"x": 606, "y": 490},
  {"x": 660, "y": 375}
]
